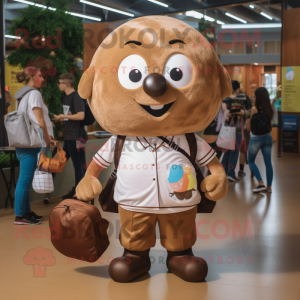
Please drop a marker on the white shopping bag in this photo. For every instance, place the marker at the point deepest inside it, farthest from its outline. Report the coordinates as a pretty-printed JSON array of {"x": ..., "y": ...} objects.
[
  {"x": 42, "y": 182},
  {"x": 227, "y": 136}
]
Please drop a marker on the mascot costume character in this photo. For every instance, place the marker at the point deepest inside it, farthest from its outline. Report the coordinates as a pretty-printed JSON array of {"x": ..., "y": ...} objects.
[{"x": 153, "y": 83}]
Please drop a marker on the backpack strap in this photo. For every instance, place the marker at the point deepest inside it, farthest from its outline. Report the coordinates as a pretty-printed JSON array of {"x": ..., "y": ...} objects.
[
  {"x": 206, "y": 205},
  {"x": 118, "y": 150},
  {"x": 191, "y": 139}
]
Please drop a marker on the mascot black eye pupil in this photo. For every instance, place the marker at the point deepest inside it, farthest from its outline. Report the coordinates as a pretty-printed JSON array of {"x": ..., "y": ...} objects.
[
  {"x": 176, "y": 74},
  {"x": 135, "y": 75}
]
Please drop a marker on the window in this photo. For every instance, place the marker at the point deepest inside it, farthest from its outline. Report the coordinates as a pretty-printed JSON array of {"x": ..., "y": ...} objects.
[
  {"x": 251, "y": 49},
  {"x": 271, "y": 84},
  {"x": 239, "y": 48},
  {"x": 224, "y": 51},
  {"x": 269, "y": 47},
  {"x": 278, "y": 47}
]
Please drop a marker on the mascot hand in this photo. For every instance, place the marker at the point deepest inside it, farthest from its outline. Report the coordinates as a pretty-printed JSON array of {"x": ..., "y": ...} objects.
[
  {"x": 88, "y": 188},
  {"x": 215, "y": 186}
]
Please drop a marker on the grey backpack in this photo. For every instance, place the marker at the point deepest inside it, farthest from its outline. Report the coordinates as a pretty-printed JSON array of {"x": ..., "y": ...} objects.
[{"x": 21, "y": 131}]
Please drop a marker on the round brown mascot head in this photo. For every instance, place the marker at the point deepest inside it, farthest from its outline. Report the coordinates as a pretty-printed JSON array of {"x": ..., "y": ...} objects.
[{"x": 155, "y": 76}]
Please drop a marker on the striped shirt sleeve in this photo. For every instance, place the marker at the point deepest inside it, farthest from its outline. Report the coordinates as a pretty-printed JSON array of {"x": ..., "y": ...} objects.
[
  {"x": 105, "y": 156},
  {"x": 204, "y": 152}
]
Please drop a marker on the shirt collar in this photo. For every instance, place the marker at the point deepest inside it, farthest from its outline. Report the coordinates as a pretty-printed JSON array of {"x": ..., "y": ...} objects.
[{"x": 153, "y": 142}]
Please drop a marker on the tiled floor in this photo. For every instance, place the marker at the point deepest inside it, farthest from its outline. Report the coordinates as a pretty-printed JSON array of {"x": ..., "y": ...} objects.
[{"x": 261, "y": 263}]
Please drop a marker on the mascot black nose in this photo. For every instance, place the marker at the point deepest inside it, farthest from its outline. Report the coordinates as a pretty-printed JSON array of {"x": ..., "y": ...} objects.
[{"x": 155, "y": 85}]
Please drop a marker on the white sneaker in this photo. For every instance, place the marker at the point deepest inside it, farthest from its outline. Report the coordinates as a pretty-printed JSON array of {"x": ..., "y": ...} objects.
[{"x": 260, "y": 188}]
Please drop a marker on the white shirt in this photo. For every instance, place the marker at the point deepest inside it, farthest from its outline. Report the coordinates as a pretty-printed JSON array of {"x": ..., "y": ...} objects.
[
  {"x": 36, "y": 100},
  {"x": 152, "y": 177}
]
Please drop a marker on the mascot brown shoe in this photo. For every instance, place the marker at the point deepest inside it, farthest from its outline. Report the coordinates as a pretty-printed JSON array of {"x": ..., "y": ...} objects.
[
  {"x": 187, "y": 266},
  {"x": 154, "y": 83},
  {"x": 130, "y": 266}
]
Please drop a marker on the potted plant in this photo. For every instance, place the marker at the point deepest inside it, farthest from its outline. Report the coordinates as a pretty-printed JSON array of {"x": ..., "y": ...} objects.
[{"x": 51, "y": 40}]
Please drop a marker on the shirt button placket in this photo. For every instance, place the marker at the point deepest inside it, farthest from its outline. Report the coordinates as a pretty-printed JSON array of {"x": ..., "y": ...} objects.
[{"x": 154, "y": 150}]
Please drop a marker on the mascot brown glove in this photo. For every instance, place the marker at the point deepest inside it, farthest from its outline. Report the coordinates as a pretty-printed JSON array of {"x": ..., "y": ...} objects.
[
  {"x": 88, "y": 188},
  {"x": 215, "y": 186}
]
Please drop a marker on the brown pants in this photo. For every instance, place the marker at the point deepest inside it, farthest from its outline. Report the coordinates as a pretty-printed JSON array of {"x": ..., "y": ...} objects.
[{"x": 176, "y": 230}]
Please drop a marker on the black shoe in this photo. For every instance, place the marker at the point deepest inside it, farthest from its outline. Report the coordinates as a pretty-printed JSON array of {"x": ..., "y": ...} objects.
[
  {"x": 232, "y": 178},
  {"x": 47, "y": 198},
  {"x": 26, "y": 220},
  {"x": 70, "y": 194},
  {"x": 34, "y": 216},
  {"x": 260, "y": 188}
]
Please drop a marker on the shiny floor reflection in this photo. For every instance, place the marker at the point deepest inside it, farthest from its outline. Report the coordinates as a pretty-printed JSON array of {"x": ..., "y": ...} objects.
[{"x": 251, "y": 243}]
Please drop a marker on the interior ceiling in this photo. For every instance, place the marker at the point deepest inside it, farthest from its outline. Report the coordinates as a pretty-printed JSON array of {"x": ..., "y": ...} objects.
[{"x": 177, "y": 8}]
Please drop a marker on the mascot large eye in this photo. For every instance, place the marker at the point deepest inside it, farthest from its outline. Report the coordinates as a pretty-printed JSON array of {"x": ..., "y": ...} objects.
[
  {"x": 178, "y": 71},
  {"x": 132, "y": 71}
]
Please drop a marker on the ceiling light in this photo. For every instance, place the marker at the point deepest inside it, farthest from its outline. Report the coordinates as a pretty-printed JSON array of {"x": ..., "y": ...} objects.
[
  {"x": 207, "y": 18},
  {"x": 266, "y": 16},
  {"x": 107, "y": 8},
  {"x": 251, "y": 6},
  {"x": 255, "y": 25},
  {"x": 220, "y": 22},
  {"x": 54, "y": 9},
  {"x": 12, "y": 37},
  {"x": 194, "y": 14},
  {"x": 256, "y": 64},
  {"x": 83, "y": 16},
  {"x": 235, "y": 17},
  {"x": 25, "y": 2},
  {"x": 159, "y": 3}
]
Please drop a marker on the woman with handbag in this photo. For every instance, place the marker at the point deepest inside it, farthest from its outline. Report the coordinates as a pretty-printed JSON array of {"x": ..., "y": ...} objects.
[
  {"x": 31, "y": 102},
  {"x": 260, "y": 126}
]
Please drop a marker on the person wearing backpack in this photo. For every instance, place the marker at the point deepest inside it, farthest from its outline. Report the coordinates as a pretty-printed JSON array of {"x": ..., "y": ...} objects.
[
  {"x": 75, "y": 135},
  {"x": 31, "y": 103},
  {"x": 260, "y": 127},
  {"x": 236, "y": 106}
]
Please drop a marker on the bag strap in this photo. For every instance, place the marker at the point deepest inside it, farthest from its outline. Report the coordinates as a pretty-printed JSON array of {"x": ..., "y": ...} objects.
[
  {"x": 191, "y": 139},
  {"x": 27, "y": 99},
  {"x": 72, "y": 103},
  {"x": 118, "y": 150}
]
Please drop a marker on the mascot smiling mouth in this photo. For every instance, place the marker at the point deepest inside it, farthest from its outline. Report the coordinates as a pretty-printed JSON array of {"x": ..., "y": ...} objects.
[{"x": 157, "y": 110}]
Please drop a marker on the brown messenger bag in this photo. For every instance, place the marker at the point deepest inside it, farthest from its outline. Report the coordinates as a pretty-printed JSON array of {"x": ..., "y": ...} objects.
[
  {"x": 106, "y": 198},
  {"x": 78, "y": 230}
]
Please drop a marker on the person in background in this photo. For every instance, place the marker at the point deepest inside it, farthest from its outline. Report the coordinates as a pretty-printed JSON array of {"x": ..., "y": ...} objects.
[
  {"x": 75, "y": 135},
  {"x": 243, "y": 154},
  {"x": 8, "y": 99},
  {"x": 277, "y": 104},
  {"x": 236, "y": 106},
  {"x": 37, "y": 111},
  {"x": 211, "y": 133},
  {"x": 262, "y": 142}
]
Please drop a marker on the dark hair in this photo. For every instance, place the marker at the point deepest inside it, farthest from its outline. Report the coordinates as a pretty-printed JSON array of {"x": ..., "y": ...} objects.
[
  {"x": 27, "y": 74},
  {"x": 69, "y": 77},
  {"x": 263, "y": 102},
  {"x": 235, "y": 85}
]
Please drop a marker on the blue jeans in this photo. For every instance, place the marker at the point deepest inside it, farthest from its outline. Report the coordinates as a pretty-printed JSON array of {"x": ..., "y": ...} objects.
[
  {"x": 28, "y": 163},
  {"x": 230, "y": 157},
  {"x": 263, "y": 143}
]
